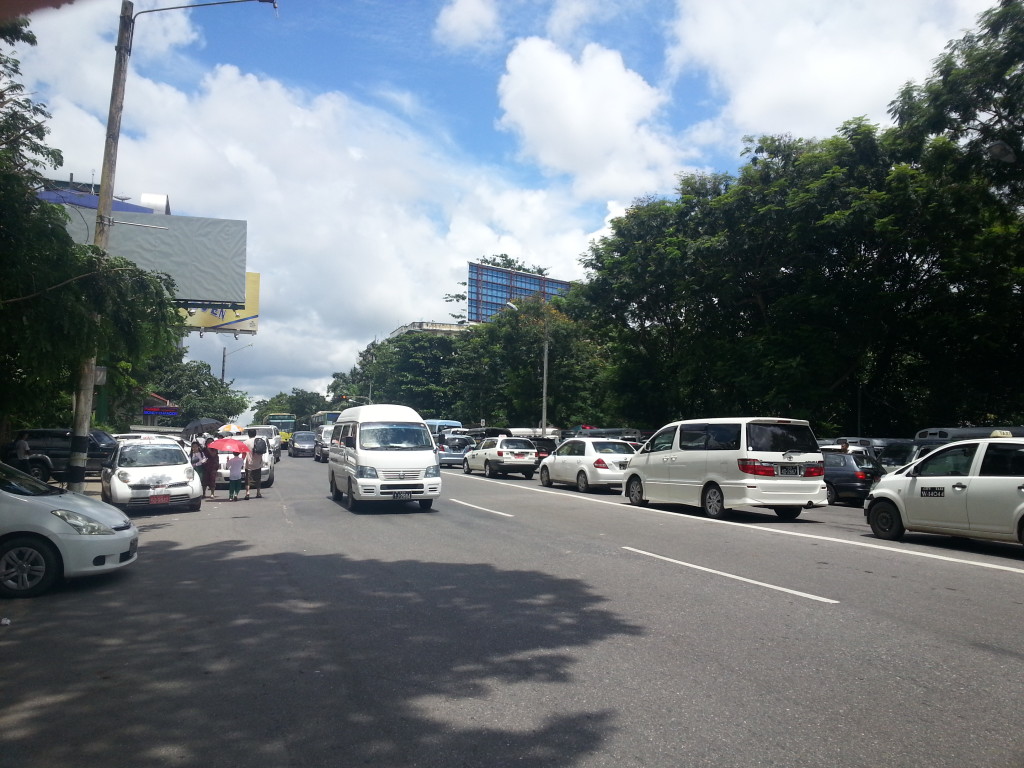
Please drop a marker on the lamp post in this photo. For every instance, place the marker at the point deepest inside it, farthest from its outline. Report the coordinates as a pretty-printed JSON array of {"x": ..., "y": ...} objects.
[
  {"x": 544, "y": 369},
  {"x": 104, "y": 220},
  {"x": 224, "y": 359}
]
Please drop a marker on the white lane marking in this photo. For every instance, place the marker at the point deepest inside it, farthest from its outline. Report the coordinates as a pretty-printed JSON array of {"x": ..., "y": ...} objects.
[
  {"x": 482, "y": 509},
  {"x": 734, "y": 576},
  {"x": 746, "y": 526}
]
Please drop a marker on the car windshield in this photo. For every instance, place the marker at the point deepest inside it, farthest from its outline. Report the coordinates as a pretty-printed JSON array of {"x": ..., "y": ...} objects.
[
  {"x": 517, "y": 445},
  {"x": 610, "y": 446},
  {"x": 304, "y": 436},
  {"x": 395, "y": 436},
  {"x": 779, "y": 438},
  {"x": 151, "y": 455},
  {"x": 13, "y": 481}
]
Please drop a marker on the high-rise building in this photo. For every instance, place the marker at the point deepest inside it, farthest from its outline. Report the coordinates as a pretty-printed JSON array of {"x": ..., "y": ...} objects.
[{"x": 490, "y": 288}]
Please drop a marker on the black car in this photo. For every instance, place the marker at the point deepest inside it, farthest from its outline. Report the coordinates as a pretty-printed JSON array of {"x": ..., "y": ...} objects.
[
  {"x": 50, "y": 451},
  {"x": 302, "y": 444},
  {"x": 850, "y": 476}
]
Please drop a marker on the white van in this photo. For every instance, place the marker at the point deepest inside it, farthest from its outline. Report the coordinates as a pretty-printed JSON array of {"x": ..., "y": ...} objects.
[
  {"x": 720, "y": 463},
  {"x": 383, "y": 453}
]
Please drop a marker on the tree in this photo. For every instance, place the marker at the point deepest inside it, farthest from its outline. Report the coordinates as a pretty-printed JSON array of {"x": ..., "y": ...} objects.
[{"x": 198, "y": 392}]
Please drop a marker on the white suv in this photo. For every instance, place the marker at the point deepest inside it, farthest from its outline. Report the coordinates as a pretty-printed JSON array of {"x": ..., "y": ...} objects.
[
  {"x": 971, "y": 488},
  {"x": 271, "y": 434},
  {"x": 502, "y": 455}
]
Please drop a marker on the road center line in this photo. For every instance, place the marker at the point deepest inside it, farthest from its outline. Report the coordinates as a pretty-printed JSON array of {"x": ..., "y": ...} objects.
[
  {"x": 734, "y": 576},
  {"x": 482, "y": 509}
]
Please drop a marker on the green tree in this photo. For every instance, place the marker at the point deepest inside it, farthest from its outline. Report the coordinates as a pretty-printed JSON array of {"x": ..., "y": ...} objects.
[{"x": 199, "y": 393}]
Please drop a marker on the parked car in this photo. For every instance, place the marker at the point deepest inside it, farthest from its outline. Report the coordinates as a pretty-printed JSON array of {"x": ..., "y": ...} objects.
[
  {"x": 501, "y": 456},
  {"x": 151, "y": 475},
  {"x": 322, "y": 442},
  {"x": 302, "y": 444},
  {"x": 272, "y": 435},
  {"x": 587, "y": 462},
  {"x": 266, "y": 473},
  {"x": 545, "y": 447},
  {"x": 850, "y": 476},
  {"x": 898, "y": 455},
  {"x": 50, "y": 451},
  {"x": 969, "y": 488},
  {"x": 47, "y": 533},
  {"x": 451, "y": 448}
]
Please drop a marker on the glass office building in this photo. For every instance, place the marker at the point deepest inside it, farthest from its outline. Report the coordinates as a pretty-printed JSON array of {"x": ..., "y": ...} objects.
[{"x": 488, "y": 288}]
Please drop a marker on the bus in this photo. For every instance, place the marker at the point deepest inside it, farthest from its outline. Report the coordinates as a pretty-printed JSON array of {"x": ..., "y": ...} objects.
[
  {"x": 285, "y": 423},
  {"x": 437, "y": 426},
  {"x": 321, "y": 418}
]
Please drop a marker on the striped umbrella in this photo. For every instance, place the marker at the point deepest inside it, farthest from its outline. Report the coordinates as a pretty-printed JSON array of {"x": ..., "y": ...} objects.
[{"x": 231, "y": 429}]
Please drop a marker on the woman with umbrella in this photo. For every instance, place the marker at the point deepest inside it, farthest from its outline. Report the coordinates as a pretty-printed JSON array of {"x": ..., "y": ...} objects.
[{"x": 210, "y": 469}]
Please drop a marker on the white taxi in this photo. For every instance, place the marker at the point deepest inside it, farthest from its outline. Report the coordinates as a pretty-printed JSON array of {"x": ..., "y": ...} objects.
[
  {"x": 150, "y": 475},
  {"x": 970, "y": 488}
]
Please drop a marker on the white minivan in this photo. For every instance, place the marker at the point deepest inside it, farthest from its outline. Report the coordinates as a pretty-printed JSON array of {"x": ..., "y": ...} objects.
[
  {"x": 383, "y": 453},
  {"x": 720, "y": 463}
]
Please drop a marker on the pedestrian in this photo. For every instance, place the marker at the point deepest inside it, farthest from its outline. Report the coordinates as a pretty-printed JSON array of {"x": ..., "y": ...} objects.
[
  {"x": 254, "y": 463},
  {"x": 210, "y": 469},
  {"x": 197, "y": 456},
  {"x": 236, "y": 465},
  {"x": 22, "y": 451},
  {"x": 844, "y": 446}
]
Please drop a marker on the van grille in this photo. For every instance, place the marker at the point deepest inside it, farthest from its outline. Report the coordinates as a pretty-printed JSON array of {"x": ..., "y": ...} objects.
[{"x": 401, "y": 474}]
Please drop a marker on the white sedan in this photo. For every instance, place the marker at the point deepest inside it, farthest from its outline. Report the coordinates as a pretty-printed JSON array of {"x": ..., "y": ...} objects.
[
  {"x": 152, "y": 475},
  {"x": 587, "y": 462},
  {"x": 47, "y": 533}
]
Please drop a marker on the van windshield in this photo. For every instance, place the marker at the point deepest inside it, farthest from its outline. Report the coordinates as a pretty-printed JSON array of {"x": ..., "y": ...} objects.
[
  {"x": 394, "y": 436},
  {"x": 779, "y": 438}
]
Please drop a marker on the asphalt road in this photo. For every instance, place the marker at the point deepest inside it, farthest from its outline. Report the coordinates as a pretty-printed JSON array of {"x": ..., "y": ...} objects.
[{"x": 517, "y": 625}]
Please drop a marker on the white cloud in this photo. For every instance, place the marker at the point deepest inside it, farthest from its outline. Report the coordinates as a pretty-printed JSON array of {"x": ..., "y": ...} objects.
[
  {"x": 593, "y": 119},
  {"x": 468, "y": 23}
]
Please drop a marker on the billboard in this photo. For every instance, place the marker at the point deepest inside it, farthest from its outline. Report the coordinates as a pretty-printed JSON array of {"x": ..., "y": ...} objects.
[{"x": 221, "y": 320}]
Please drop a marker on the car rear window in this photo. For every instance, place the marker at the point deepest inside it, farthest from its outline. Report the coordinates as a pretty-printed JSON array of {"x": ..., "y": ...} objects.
[
  {"x": 613, "y": 447},
  {"x": 517, "y": 445},
  {"x": 779, "y": 438}
]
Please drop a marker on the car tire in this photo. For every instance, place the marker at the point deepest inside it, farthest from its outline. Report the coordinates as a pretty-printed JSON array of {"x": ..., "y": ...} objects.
[
  {"x": 712, "y": 502},
  {"x": 788, "y": 513},
  {"x": 350, "y": 502},
  {"x": 545, "y": 477},
  {"x": 830, "y": 492},
  {"x": 335, "y": 491},
  {"x": 426, "y": 503},
  {"x": 465, "y": 467},
  {"x": 885, "y": 521},
  {"x": 488, "y": 472},
  {"x": 528, "y": 475},
  {"x": 28, "y": 566},
  {"x": 635, "y": 492},
  {"x": 196, "y": 504},
  {"x": 39, "y": 471},
  {"x": 582, "y": 483}
]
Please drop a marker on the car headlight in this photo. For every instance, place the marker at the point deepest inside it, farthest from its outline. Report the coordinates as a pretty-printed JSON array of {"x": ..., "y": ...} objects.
[
  {"x": 189, "y": 473},
  {"x": 366, "y": 472},
  {"x": 124, "y": 477},
  {"x": 82, "y": 523},
  {"x": 434, "y": 470}
]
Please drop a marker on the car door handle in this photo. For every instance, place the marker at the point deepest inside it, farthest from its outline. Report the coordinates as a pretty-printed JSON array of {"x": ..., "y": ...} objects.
[{"x": 959, "y": 487}]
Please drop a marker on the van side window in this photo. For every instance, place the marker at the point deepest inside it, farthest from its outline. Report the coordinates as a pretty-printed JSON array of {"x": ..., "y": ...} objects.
[
  {"x": 693, "y": 437},
  {"x": 723, "y": 437},
  {"x": 663, "y": 441}
]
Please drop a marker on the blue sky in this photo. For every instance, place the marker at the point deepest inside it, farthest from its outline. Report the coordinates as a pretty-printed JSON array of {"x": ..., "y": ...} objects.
[{"x": 374, "y": 147}]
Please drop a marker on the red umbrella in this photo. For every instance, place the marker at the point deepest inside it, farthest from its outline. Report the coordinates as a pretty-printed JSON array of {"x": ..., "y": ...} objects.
[{"x": 229, "y": 445}]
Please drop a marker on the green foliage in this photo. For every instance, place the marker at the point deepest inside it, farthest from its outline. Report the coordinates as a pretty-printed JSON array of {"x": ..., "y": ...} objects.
[
  {"x": 300, "y": 402},
  {"x": 198, "y": 392}
]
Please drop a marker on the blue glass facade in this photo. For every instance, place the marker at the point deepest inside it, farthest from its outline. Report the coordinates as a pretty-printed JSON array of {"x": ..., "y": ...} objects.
[{"x": 488, "y": 288}]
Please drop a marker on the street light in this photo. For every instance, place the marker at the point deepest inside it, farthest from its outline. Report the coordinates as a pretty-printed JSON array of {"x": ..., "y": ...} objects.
[
  {"x": 224, "y": 359},
  {"x": 544, "y": 375},
  {"x": 104, "y": 219}
]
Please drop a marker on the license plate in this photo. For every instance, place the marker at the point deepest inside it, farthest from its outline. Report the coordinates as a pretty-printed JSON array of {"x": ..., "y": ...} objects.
[
  {"x": 161, "y": 499},
  {"x": 402, "y": 495},
  {"x": 519, "y": 455},
  {"x": 786, "y": 470}
]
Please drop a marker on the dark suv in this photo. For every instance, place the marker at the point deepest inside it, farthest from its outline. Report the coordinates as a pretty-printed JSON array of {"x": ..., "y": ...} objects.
[
  {"x": 850, "y": 476},
  {"x": 50, "y": 451}
]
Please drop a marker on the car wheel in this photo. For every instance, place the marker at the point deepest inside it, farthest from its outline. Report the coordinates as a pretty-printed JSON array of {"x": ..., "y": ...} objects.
[
  {"x": 335, "y": 493},
  {"x": 885, "y": 521},
  {"x": 582, "y": 483},
  {"x": 830, "y": 491},
  {"x": 270, "y": 478},
  {"x": 351, "y": 504},
  {"x": 788, "y": 513},
  {"x": 39, "y": 471},
  {"x": 545, "y": 477},
  {"x": 196, "y": 504},
  {"x": 488, "y": 472},
  {"x": 528, "y": 475},
  {"x": 465, "y": 467},
  {"x": 104, "y": 496},
  {"x": 635, "y": 492},
  {"x": 712, "y": 501},
  {"x": 426, "y": 503},
  {"x": 28, "y": 567}
]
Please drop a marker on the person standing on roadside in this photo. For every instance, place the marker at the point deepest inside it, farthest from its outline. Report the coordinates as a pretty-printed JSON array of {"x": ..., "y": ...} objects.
[
  {"x": 254, "y": 463},
  {"x": 236, "y": 465},
  {"x": 210, "y": 468},
  {"x": 21, "y": 453}
]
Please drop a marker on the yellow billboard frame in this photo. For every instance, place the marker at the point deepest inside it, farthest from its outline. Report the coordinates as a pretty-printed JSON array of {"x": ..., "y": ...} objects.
[{"x": 236, "y": 321}]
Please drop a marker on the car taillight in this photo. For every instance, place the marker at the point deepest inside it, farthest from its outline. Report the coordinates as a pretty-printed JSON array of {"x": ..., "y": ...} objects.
[
  {"x": 817, "y": 469},
  {"x": 600, "y": 464},
  {"x": 860, "y": 475},
  {"x": 755, "y": 467},
  {"x": 499, "y": 453}
]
